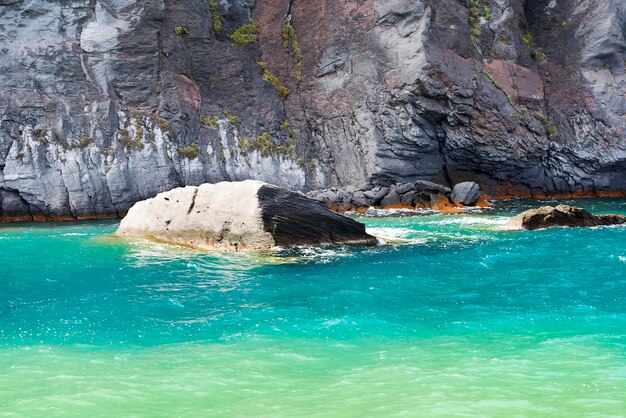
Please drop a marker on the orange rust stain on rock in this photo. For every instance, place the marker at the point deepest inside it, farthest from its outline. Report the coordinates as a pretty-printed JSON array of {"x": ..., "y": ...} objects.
[
  {"x": 482, "y": 203},
  {"x": 442, "y": 203}
]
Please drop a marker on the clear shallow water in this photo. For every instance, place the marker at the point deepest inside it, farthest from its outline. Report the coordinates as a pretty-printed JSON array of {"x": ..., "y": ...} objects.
[{"x": 462, "y": 320}]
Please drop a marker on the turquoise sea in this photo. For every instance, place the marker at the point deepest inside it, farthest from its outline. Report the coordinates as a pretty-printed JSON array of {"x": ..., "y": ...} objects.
[{"x": 459, "y": 319}]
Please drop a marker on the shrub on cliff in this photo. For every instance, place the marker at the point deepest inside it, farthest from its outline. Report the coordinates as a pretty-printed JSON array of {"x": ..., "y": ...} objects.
[
  {"x": 246, "y": 34},
  {"x": 180, "y": 30},
  {"x": 282, "y": 90},
  {"x": 190, "y": 152},
  {"x": 217, "y": 22}
]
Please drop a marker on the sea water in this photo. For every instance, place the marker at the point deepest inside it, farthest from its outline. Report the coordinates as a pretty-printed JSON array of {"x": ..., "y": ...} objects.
[{"x": 457, "y": 317}]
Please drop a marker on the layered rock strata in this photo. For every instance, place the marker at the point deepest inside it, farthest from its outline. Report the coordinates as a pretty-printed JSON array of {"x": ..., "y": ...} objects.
[{"x": 105, "y": 103}]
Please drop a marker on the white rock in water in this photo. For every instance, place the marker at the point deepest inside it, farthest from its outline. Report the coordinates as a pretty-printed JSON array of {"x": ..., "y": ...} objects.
[{"x": 235, "y": 216}]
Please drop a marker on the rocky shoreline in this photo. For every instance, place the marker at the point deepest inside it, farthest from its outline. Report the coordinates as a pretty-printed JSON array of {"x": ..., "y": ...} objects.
[
  {"x": 410, "y": 196},
  {"x": 418, "y": 195}
]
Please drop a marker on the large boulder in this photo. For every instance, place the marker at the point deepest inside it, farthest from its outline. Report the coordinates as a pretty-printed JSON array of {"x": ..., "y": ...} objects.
[
  {"x": 247, "y": 215},
  {"x": 391, "y": 200},
  {"x": 561, "y": 215},
  {"x": 376, "y": 194},
  {"x": 466, "y": 193},
  {"x": 430, "y": 187}
]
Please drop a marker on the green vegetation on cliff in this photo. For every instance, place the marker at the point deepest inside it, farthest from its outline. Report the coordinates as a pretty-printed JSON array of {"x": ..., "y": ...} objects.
[
  {"x": 548, "y": 125},
  {"x": 189, "y": 152},
  {"x": 474, "y": 17},
  {"x": 217, "y": 21},
  {"x": 246, "y": 34},
  {"x": 290, "y": 41},
  {"x": 282, "y": 91},
  {"x": 180, "y": 30},
  {"x": 211, "y": 121}
]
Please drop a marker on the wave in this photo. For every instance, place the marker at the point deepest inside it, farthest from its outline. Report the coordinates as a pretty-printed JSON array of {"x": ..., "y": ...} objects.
[{"x": 390, "y": 235}]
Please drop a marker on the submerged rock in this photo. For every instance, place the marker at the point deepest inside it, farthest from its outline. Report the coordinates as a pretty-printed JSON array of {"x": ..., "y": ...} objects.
[
  {"x": 561, "y": 215},
  {"x": 247, "y": 215}
]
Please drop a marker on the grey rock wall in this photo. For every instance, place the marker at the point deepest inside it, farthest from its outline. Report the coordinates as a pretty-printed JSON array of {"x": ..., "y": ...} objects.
[{"x": 102, "y": 104}]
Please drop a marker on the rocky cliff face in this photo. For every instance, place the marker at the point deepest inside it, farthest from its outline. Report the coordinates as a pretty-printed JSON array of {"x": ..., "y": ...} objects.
[{"x": 107, "y": 102}]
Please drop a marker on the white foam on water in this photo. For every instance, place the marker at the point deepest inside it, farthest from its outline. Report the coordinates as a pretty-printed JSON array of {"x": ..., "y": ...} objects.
[
  {"x": 382, "y": 213},
  {"x": 322, "y": 254},
  {"x": 395, "y": 236},
  {"x": 475, "y": 220},
  {"x": 452, "y": 236},
  {"x": 392, "y": 233}
]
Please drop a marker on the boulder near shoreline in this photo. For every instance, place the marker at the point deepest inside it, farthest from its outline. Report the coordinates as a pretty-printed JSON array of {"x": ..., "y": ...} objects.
[{"x": 240, "y": 216}]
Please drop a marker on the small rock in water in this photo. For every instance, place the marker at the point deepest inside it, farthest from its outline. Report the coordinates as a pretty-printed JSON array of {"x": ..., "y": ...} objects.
[
  {"x": 561, "y": 215},
  {"x": 247, "y": 215}
]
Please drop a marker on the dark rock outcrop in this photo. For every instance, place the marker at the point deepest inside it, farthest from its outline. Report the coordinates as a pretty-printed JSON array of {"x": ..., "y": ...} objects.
[
  {"x": 248, "y": 215},
  {"x": 430, "y": 187},
  {"x": 106, "y": 103},
  {"x": 561, "y": 215},
  {"x": 294, "y": 219}
]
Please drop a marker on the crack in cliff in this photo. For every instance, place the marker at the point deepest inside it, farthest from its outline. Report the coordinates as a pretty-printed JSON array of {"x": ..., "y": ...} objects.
[
  {"x": 73, "y": 210},
  {"x": 108, "y": 191},
  {"x": 289, "y": 15}
]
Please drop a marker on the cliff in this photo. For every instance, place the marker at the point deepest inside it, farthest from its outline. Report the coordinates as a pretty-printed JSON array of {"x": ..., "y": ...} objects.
[{"x": 107, "y": 102}]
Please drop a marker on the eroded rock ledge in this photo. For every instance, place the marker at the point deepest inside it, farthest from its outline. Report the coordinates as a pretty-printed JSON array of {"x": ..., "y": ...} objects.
[{"x": 238, "y": 216}]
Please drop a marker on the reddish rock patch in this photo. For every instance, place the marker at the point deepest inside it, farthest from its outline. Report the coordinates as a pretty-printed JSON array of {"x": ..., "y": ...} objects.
[
  {"x": 517, "y": 81},
  {"x": 188, "y": 91}
]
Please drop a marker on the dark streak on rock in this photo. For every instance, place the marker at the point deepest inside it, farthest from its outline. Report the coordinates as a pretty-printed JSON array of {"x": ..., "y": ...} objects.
[{"x": 193, "y": 201}]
